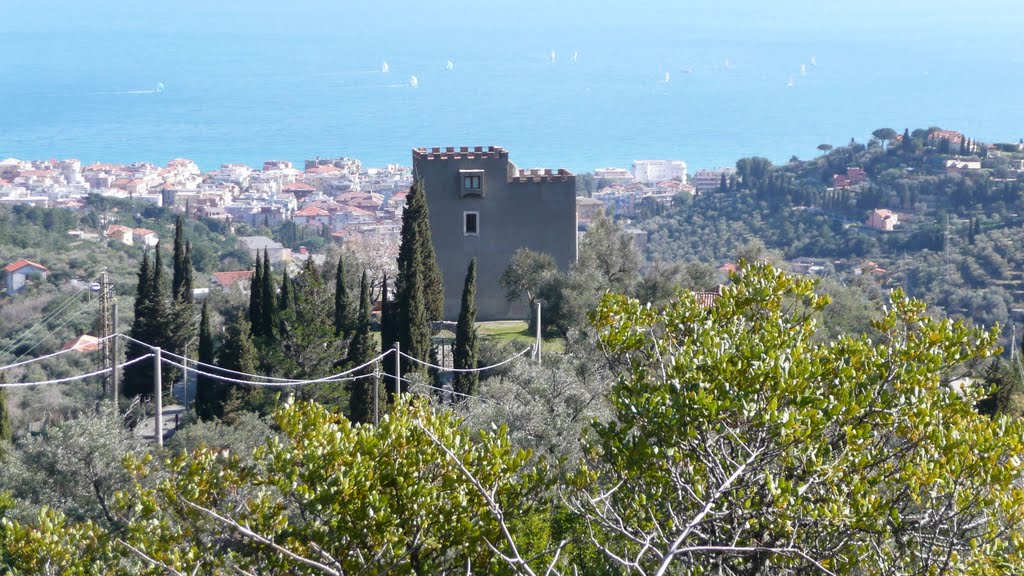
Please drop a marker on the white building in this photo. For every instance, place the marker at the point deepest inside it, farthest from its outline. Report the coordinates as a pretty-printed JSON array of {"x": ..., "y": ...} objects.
[
  {"x": 710, "y": 180},
  {"x": 658, "y": 170}
]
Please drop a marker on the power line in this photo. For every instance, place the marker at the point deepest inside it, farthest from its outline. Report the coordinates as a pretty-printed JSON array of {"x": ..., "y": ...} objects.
[
  {"x": 339, "y": 377},
  {"x": 68, "y": 351},
  {"x": 264, "y": 384},
  {"x": 50, "y": 316},
  {"x": 73, "y": 378},
  {"x": 51, "y": 332},
  {"x": 443, "y": 369}
]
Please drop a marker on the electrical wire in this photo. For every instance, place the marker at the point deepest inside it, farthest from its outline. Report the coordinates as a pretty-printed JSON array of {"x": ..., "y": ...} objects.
[
  {"x": 42, "y": 323},
  {"x": 445, "y": 390},
  {"x": 51, "y": 332},
  {"x": 73, "y": 378},
  {"x": 330, "y": 378},
  {"x": 69, "y": 350},
  {"x": 263, "y": 384},
  {"x": 443, "y": 369}
]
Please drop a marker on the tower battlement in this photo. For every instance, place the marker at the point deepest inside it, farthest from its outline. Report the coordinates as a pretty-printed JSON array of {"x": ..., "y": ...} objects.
[
  {"x": 460, "y": 153},
  {"x": 540, "y": 175}
]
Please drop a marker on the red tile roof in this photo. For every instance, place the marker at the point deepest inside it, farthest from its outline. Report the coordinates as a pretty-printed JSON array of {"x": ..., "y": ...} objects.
[
  {"x": 311, "y": 212},
  {"x": 23, "y": 263},
  {"x": 84, "y": 343},
  {"x": 228, "y": 279}
]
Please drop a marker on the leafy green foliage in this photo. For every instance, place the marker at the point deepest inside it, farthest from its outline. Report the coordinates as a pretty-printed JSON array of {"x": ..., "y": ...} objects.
[
  {"x": 739, "y": 441},
  {"x": 324, "y": 497}
]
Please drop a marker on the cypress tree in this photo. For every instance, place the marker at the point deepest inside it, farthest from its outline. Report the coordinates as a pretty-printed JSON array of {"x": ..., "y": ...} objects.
[
  {"x": 135, "y": 376},
  {"x": 420, "y": 295},
  {"x": 178, "y": 279},
  {"x": 342, "y": 315},
  {"x": 416, "y": 254},
  {"x": 256, "y": 297},
  {"x": 188, "y": 284},
  {"x": 285, "y": 300},
  {"x": 268, "y": 301},
  {"x": 211, "y": 394},
  {"x": 907, "y": 144},
  {"x": 360, "y": 351},
  {"x": 465, "y": 353}
]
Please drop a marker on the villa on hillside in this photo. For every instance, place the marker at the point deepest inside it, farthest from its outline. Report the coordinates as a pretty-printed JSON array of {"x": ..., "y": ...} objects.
[
  {"x": 882, "y": 219},
  {"x": 18, "y": 274}
]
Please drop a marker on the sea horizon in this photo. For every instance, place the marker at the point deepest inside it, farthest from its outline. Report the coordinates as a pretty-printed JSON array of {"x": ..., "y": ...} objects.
[{"x": 591, "y": 86}]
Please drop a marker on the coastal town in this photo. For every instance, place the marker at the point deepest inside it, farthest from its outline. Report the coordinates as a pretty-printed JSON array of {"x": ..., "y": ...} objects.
[{"x": 337, "y": 196}]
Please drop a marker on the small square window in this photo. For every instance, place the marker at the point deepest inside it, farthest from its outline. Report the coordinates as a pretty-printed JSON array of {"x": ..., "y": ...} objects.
[
  {"x": 471, "y": 182},
  {"x": 471, "y": 223}
]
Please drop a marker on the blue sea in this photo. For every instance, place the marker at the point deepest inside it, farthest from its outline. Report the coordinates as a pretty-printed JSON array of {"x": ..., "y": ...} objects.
[{"x": 569, "y": 84}]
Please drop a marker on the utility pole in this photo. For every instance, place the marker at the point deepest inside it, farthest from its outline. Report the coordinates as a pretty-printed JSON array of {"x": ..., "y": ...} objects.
[
  {"x": 116, "y": 345},
  {"x": 106, "y": 324},
  {"x": 376, "y": 393},
  {"x": 398, "y": 370},
  {"x": 537, "y": 343},
  {"x": 158, "y": 399}
]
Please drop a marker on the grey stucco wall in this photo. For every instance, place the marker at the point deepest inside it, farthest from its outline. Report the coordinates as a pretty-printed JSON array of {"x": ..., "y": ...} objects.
[{"x": 539, "y": 214}]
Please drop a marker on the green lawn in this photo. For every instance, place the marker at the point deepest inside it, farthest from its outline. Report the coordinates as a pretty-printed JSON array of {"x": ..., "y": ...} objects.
[{"x": 517, "y": 331}]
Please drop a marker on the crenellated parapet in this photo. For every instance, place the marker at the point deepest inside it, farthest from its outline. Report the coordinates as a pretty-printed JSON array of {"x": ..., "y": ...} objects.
[{"x": 460, "y": 153}]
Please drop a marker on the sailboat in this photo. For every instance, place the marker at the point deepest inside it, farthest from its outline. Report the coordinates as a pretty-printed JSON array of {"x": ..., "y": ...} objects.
[
  {"x": 384, "y": 67},
  {"x": 552, "y": 55},
  {"x": 728, "y": 64},
  {"x": 575, "y": 57},
  {"x": 790, "y": 84},
  {"x": 814, "y": 62},
  {"x": 159, "y": 86},
  {"x": 449, "y": 66},
  {"x": 803, "y": 70},
  {"x": 413, "y": 81},
  {"x": 667, "y": 78}
]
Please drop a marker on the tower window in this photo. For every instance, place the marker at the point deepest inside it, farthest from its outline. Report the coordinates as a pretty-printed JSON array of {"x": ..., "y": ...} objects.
[
  {"x": 471, "y": 223},
  {"x": 472, "y": 182}
]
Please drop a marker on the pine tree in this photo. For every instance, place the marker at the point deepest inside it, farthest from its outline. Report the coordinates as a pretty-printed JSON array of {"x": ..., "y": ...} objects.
[
  {"x": 269, "y": 316},
  {"x": 6, "y": 429},
  {"x": 362, "y": 349},
  {"x": 906, "y": 143},
  {"x": 152, "y": 325},
  {"x": 211, "y": 394},
  {"x": 465, "y": 353},
  {"x": 238, "y": 353},
  {"x": 256, "y": 297},
  {"x": 342, "y": 315}
]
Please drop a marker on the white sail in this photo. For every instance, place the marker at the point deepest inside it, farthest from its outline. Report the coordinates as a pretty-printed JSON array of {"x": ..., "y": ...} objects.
[
  {"x": 552, "y": 55},
  {"x": 803, "y": 70},
  {"x": 814, "y": 61},
  {"x": 575, "y": 57},
  {"x": 450, "y": 65},
  {"x": 790, "y": 84},
  {"x": 668, "y": 78},
  {"x": 384, "y": 67},
  {"x": 413, "y": 81}
]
